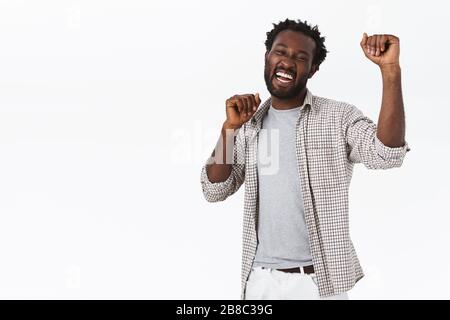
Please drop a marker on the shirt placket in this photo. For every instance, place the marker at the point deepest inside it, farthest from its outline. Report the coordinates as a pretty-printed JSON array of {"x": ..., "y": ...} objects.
[{"x": 302, "y": 162}]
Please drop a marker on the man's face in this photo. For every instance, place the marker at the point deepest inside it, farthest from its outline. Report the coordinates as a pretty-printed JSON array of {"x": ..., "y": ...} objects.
[{"x": 288, "y": 64}]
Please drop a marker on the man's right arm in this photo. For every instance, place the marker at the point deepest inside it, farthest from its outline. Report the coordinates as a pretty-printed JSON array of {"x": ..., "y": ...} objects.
[
  {"x": 220, "y": 169},
  {"x": 224, "y": 171}
]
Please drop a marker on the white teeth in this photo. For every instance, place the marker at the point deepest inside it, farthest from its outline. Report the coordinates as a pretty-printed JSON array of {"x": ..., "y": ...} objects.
[{"x": 284, "y": 75}]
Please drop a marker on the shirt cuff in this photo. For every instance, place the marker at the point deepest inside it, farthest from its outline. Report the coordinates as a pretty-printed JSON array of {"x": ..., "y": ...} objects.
[
  {"x": 215, "y": 186},
  {"x": 388, "y": 153}
]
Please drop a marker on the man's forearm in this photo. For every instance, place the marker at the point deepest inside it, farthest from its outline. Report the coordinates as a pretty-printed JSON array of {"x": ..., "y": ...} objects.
[
  {"x": 391, "y": 121},
  {"x": 220, "y": 170}
]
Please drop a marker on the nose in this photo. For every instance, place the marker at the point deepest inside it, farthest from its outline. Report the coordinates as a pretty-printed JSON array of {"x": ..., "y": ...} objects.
[{"x": 287, "y": 64}]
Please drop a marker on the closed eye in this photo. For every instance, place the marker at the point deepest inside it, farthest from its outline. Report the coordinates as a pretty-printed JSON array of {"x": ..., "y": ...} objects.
[{"x": 299, "y": 58}]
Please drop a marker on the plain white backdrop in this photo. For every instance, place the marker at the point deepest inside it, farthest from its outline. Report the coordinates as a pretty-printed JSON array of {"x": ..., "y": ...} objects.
[{"x": 108, "y": 110}]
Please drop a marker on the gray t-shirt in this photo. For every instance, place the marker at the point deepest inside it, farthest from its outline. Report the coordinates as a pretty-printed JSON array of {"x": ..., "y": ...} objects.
[{"x": 282, "y": 235}]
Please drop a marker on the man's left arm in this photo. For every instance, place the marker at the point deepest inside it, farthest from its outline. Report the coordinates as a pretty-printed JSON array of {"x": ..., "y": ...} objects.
[
  {"x": 384, "y": 50},
  {"x": 382, "y": 145}
]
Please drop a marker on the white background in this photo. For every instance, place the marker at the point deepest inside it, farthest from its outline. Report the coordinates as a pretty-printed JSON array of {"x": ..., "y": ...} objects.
[{"x": 108, "y": 110}]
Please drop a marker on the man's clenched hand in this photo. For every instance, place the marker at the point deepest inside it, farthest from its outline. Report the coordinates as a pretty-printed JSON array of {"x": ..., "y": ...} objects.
[
  {"x": 381, "y": 49},
  {"x": 240, "y": 108}
]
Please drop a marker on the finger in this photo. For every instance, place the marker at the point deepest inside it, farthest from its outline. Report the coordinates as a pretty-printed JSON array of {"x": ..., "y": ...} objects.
[
  {"x": 234, "y": 104},
  {"x": 253, "y": 103},
  {"x": 249, "y": 104},
  {"x": 367, "y": 46},
  {"x": 252, "y": 97},
  {"x": 372, "y": 44},
  {"x": 258, "y": 99},
  {"x": 383, "y": 43},
  {"x": 244, "y": 101},
  {"x": 364, "y": 40},
  {"x": 240, "y": 106},
  {"x": 364, "y": 45},
  {"x": 255, "y": 99},
  {"x": 378, "y": 46},
  {"x": 230, "y": 103}
]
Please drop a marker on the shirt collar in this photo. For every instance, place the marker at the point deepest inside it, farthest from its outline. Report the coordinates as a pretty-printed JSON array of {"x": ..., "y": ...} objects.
[{"x": 262, "y": 110}]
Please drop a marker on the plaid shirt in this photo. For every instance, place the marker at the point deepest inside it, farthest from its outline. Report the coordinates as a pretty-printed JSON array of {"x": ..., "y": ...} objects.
[{"x": 331, "y": 137}]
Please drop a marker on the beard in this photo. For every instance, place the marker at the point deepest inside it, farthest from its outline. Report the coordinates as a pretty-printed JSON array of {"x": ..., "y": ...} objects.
[{"x": 282, "y": 93}]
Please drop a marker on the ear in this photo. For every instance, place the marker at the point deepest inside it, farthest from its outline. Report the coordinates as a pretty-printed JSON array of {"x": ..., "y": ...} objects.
[
  {"x": 313, "y": 70},
  {"x": 265, "y": 56}
]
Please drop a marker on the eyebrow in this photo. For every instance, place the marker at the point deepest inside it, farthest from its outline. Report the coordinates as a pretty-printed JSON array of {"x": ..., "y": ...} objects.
[{"x": 285, "y": 46}]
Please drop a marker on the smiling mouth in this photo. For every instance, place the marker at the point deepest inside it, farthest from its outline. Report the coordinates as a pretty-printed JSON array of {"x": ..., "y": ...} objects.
[{"x": 284, "y": 78}]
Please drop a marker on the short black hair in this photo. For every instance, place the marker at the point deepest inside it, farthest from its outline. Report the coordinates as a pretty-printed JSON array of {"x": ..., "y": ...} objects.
[{"x": 303, "y": 27}]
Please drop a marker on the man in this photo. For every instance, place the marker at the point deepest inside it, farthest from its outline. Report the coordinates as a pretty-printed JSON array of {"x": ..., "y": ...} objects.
[{"x": 296, "y": 241}]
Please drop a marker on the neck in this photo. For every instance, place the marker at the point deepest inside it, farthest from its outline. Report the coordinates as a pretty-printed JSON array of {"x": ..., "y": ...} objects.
[{"x": 286, "y": 104}]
